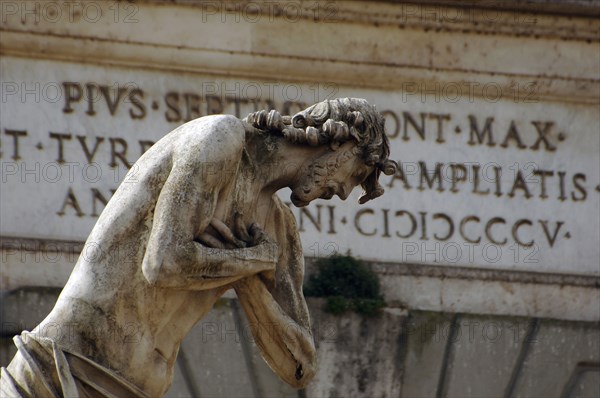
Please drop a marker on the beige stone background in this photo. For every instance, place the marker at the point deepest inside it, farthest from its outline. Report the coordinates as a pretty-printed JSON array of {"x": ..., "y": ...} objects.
[{"x": 449, "y": 331}]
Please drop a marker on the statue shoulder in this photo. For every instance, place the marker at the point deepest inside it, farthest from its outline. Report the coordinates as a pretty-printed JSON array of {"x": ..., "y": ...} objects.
[{"x": 210, "y": 138}]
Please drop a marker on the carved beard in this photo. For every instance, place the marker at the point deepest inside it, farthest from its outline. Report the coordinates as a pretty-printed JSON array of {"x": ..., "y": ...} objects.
[
  {"x": 310, "y": 186},
  {"x": 316, "y": 182}
]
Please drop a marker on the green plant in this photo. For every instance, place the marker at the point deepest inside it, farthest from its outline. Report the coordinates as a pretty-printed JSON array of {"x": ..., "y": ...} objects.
[{"x": 347, "y": 284}]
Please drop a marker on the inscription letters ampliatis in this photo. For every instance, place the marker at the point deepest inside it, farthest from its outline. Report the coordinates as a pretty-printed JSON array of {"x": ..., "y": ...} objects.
[{"x": 483, "y": 182}]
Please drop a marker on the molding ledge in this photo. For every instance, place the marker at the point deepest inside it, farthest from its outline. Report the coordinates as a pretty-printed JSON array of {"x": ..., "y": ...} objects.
[{"x": 269, "y": 67}]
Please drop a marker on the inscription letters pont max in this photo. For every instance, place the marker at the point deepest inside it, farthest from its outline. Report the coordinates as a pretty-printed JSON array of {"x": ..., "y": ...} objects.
[{"x": 197, "y": 234}]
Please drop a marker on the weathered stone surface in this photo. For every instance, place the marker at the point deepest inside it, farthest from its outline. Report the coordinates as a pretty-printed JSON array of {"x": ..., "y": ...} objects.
[
  {"x": 179, "y": 388},
  {"x": 36, "y": 263},
  {"x": 483, "y": 355},
  {"x": 268, "y": 385},
  {"x": 556, "y": 350},
  {"x": 425, "y": 343},
  {"x": 425, "y": 288},
  {"x": 481, "y": 361},
  {"x": 358, "y": 356},
  {"x": 588, "y": 385},
  {"x": 7, "y": 350},
  {"x": 213, "y": 351},
  {"x": 471, "y": 44},
  {"x": 24, "y": 308}
]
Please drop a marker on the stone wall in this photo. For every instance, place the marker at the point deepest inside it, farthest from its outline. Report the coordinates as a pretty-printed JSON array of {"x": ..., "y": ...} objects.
[{"x": 399, "y": 353}]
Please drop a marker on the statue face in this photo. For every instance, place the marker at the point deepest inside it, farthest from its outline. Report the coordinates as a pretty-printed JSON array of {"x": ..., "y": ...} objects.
[{"x": 335, "y": 173}]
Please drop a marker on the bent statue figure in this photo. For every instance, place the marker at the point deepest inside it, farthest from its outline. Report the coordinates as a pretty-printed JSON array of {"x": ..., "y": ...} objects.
[{"x": 198, "y": 215}]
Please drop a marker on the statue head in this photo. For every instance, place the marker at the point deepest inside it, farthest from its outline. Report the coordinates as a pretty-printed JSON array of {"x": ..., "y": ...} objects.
[{"x": 355, "y": 133}]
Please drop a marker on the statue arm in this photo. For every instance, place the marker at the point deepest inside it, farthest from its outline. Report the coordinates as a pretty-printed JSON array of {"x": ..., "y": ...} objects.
[
  {"x": 185, "y": 207},
  {"x": 279, "y": 316}
]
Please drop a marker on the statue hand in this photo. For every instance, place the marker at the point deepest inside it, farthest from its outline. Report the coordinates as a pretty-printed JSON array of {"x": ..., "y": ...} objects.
[
  {"x": 258, "y": 237},
  {"x": 227, "y": 234},
  {"x": 240, "y": 237},
  {"x": 262, "y": 239},
  {"x": 253, "y": 235}
]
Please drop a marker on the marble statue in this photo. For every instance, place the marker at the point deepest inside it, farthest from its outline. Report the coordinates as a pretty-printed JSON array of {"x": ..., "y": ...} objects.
[{"x": 198, "y": 215}]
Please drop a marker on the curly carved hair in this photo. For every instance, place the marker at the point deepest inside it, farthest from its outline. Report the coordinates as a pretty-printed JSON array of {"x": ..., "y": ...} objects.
[{"x": 333, "y": 122}]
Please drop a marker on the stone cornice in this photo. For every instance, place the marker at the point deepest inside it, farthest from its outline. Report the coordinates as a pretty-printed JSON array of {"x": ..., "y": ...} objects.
[
  {"x": 566, "y": 20},
  {"x": 362, "y": 46},
  {"x": 14, "y": 245}
]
